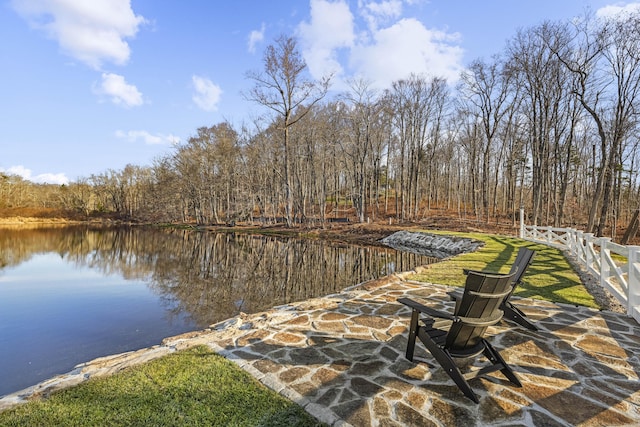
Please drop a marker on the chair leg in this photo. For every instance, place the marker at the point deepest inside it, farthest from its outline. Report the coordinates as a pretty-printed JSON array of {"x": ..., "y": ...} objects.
[
  {"x": 446, "y": 362},
  {"x": 515, "y": 315},
  {"x": 496, "y": 359},
  {"x": 413, "y": 330}
]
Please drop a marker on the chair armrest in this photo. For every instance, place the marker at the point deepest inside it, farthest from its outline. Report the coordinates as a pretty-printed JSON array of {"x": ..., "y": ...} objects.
[
  {"x": 455, "y": 295},
  {"x": 425, "y": 310},
  {"x": 466, "y": 271}
]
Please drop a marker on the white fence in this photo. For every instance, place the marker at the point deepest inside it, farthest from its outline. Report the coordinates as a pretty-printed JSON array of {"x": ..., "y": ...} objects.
[{"x": 617, "y": 266}]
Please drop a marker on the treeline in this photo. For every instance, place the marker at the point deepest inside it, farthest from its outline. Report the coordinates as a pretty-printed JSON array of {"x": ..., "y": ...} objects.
[{"x": 549, "y": 124}]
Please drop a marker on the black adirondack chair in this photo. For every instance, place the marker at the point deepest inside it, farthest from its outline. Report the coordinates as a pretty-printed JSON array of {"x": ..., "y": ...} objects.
[
  {"x": 523, "y": 260},
  {"x": 461, "y": 334}
]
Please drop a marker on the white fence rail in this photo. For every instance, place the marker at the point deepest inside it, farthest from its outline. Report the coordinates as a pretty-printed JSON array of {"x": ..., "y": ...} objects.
[{"x": 617, "y": 266}]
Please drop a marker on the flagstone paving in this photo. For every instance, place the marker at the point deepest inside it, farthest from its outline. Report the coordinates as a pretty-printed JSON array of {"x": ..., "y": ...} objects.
[{"x": 342, "y": 358}]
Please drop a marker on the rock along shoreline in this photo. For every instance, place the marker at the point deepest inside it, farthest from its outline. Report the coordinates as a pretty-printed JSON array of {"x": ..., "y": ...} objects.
[{"x": 434, "y": 245}]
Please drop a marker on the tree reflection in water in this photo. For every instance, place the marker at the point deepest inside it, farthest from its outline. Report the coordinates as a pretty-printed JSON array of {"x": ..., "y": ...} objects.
[{"x": 211, "y": 276}]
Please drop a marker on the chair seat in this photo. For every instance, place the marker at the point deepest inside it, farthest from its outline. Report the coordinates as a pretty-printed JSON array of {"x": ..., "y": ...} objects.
[
  {"x": 466, "y": 353},
  {"x": 437, "y": 333}
]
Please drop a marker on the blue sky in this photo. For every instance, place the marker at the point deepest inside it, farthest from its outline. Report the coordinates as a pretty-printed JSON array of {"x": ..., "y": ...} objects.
[{"x": 92, "y": 85}]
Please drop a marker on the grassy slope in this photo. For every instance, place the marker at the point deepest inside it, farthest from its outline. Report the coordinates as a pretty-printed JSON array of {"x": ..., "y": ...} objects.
[
  {"x": 188, "y": 388},
  {"x": 550, "y": 277}
]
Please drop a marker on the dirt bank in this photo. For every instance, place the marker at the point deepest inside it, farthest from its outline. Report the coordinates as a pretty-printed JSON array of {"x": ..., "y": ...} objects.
[{"x": 372, "y": 232}]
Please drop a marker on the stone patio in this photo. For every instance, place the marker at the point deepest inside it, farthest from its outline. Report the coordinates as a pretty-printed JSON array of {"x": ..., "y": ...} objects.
[{"x": 342, "y": 358}]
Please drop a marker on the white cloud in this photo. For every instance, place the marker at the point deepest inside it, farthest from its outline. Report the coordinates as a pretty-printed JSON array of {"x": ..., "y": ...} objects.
[
  {"x": 613, "y": 10},
  {"x": 120, "y": 92},
  {"x": 256, "y": 37},
  {"x": 384, "y": 48},
  {"x": 408, "y": 47},
  {"x": 207, "y": 93},
  {"x": 331, "y": 28},
  {"x": 147, "y": 137},
  {"x": 389, "y": 8},
  {"x": 91, "y": 31},
  {"x": 44, "y": 178},
  {"x": 51, "y": 178},
  {"x": 376, "y": 13}
]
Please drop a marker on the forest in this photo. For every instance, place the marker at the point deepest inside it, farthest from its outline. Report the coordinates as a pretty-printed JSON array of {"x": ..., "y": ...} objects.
[{"x": 549, "y": 124}]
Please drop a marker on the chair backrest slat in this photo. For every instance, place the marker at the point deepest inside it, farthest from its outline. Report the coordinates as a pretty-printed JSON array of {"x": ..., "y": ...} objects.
[
  {"x": 523, "y": 260},
  {"x": 493, "y": 289}
]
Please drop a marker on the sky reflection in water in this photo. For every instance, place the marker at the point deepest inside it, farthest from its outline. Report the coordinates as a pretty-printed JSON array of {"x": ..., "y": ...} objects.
[
  {"x": 70, "y": 295},
  {"x": 54, "y": 315}
]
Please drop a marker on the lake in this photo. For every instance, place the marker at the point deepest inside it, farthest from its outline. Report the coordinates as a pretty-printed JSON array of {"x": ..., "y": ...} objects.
[{"x": 71, "y": 294}]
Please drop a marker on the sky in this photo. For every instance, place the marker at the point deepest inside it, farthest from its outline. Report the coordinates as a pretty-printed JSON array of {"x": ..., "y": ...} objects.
[{"x": 88, "y": 86}]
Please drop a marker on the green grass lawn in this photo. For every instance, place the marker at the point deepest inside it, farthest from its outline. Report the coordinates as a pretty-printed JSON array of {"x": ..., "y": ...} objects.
[
  {"x": 194, "y": 387},
  {"x": 200, "y": 388},
  {"x": 549, "y": 277}
]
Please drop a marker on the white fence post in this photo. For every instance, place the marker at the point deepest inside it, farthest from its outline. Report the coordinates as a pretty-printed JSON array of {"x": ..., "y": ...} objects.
[
  {"x": 579, "y": 245},
  {"x": 588, "y": 246},
  {"x": 522, "y": 223},
  {"x": 605, "y": 270},
  {"x": 573, "y": 241},
  {"x": 633, "y": 282},
  {"x": 548, "y": 237}
]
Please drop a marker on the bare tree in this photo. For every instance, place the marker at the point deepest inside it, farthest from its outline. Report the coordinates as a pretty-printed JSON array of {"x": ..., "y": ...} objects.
[
  {"x": 544, "y": 88},
  {"x": 604, "y": 56},
  {"x": 283, "y": 88},
  {"x": 486, "y": 86},
  {"x": 418, "y": 104},
  {"x": 362, "y": 116}
]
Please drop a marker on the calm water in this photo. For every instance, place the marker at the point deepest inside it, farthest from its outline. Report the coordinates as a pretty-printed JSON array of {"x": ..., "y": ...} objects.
[{"x": 69, "y": 295}]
